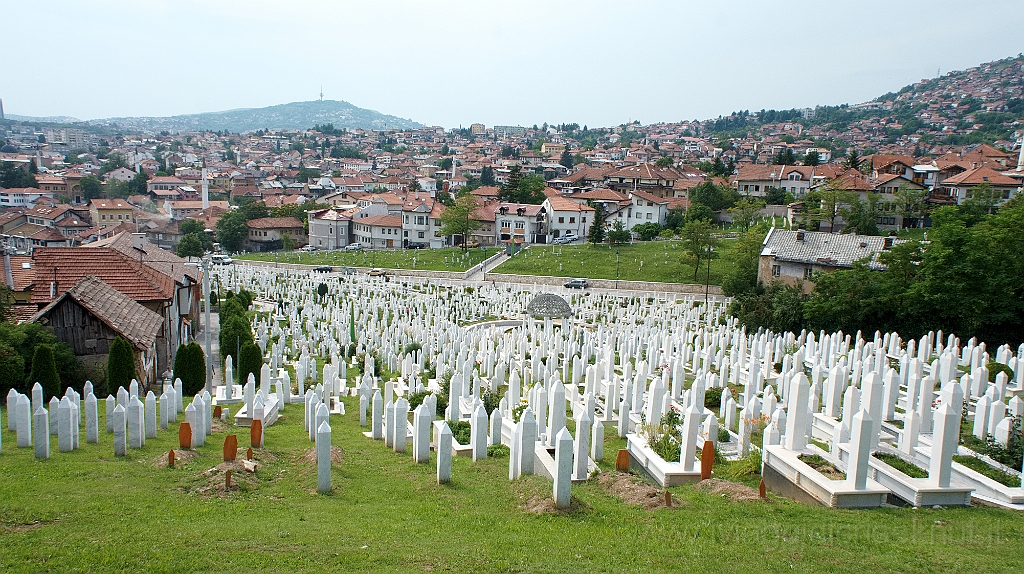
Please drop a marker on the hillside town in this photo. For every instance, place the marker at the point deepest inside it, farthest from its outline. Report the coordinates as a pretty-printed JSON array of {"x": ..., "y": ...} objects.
[{"x": 532, "y": 314}]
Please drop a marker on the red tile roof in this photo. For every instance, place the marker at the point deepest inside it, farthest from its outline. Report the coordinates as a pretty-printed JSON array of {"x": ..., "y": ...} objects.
[{"x": 69, "y": 265}]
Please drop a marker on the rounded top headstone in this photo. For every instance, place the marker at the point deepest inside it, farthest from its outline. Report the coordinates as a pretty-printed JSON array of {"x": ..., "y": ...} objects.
[{"x": 548, "y": 305}]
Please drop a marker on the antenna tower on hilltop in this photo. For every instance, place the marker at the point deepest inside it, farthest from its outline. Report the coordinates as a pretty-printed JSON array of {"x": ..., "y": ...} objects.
[{"x": 321, "y": 92}]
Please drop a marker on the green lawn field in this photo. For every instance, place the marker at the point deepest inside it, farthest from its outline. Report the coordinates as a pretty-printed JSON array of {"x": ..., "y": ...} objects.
[
  {"x": 425, "y": 259},
  {"x": 663, "y": 261},
  {"x": 87, "y": 511}
]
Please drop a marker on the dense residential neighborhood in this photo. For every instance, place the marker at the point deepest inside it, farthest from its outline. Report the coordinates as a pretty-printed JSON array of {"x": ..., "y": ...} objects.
[{"x": 82, "y": 204}]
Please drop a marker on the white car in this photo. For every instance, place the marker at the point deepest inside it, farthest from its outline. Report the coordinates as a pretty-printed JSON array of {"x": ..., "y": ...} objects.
[
  {"x": 563, "y": 239},
  {"x": 353, "y": 247},
  {"x": 221, "y": 260}
]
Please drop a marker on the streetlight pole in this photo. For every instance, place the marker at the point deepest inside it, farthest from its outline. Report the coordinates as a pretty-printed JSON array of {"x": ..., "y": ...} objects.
[
  {"x": 206, "y": 324},
  {"x": 616, "y": 268},
  {"x": 707, "y": 282}
]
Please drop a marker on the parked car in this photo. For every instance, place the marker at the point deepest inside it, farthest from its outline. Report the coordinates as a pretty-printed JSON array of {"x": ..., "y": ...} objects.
[
  {"x": 307, "y": 248},
  {"x": 577, "y": 284},
  {"x": 417, "y": 245},
  {"x": 376, "y": 272},
  {"x": 221, "y": 260},
  {"x": 353, "y": 247},
  {"x": 323, "y": 269},
  {"x": 563, "y": 240}
]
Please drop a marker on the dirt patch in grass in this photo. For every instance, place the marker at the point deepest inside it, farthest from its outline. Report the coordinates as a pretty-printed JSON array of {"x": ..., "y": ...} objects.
[
  {"x": 337, "y": 455},
  {"x": 634, "y": 491},
  {"x": 214, "y": 481},
  {"x": 539, "y": 504},
  {"x": 734, "y": 491},
  {"x": 181, "y": 458},
  {"x": 826, "y": 468},
  {"x": 18, "y": 528}
]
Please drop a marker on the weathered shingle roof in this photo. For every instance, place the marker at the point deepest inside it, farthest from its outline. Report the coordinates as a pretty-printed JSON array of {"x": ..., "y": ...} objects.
[
  {"x": 819, "y": 248},
  {"x": 124, "y": 316}
]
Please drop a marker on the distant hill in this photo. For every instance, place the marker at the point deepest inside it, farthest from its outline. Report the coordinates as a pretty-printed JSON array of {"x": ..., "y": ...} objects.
[
  {"x": 43, "y": 120},
  {"x": 983, "y": 104},
  {"x": 296, "y": 115}
]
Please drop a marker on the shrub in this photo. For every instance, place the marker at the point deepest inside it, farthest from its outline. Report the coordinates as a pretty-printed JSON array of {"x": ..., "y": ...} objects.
[
  {"x": 234, "y": 332},
  {"x": 491, "y": 401},
  {"x": 461, "y": 431},
  {"x": 416, "y": 399},
  {"x": 994, "y": 368},
  {"x": 498, "y": 451},
  {"x": 250, "y": 360},
  {"x": 190, "y": 367},
  {"x": 44, "y": 371},
  {"x": 12, "y": 369},
  {"x": 120, "y": 364}
]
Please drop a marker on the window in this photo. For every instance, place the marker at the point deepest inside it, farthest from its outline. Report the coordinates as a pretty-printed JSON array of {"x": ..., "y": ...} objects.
[
  {"x": 572, "y": 220},
  {"x": 520, "y": 225},
  {"x": 650, "y": 215},
  {"x": 561, "y": 220},
  {"x": 421, "y": 235},
  {"x": 808, "y": 271},
  {"x": 776, "y": 271}
]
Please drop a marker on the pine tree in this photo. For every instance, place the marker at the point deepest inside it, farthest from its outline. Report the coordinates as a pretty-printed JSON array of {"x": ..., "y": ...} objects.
[
  {"x": 120, "y": 364},
  {"x": 44, "y": 371},
  {"x": 596, "y": 234}
]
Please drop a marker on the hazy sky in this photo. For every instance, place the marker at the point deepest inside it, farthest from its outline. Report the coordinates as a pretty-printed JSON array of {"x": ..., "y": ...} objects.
[{"x": 454, "y": 62}]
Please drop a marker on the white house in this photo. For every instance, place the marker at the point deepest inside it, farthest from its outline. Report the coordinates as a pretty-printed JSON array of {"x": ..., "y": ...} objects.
[
  {"x": 379, "y": 231},
  {"x": 329, "y": 228},
  {"x": 565, "y": 216}
]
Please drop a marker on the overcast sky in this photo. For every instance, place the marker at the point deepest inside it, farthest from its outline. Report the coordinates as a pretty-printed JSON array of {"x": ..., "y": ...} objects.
[{"x": 454, "y": 63}]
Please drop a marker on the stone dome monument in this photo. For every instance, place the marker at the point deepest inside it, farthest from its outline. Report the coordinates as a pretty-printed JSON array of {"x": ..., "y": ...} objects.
[{"x": 547, "y": 305}]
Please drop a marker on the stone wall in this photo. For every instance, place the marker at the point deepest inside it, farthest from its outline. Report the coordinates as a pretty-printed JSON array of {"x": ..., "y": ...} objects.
[{"x": 641, "y": 286}]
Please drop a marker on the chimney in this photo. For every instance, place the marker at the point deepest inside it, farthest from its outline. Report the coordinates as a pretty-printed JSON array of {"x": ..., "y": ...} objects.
[
  {"x": 139, "y": 241},
  {"x": 8, "y": 274},
  {"x": 799, "y": 234},
  {"x": 206, "y": 191}
]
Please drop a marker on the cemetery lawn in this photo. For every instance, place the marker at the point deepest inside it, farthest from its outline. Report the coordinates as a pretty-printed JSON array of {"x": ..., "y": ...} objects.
[
  {"x": 87, "y": 511},
  {"x": 663, "y": 261},
  {"x": 425, "y": 259}
]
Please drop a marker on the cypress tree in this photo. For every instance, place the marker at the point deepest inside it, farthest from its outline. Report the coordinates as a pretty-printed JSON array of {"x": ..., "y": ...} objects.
[
  {"x": 44, "y": 371},
  {"x": 190, "y": 367},
  {"x": 120, "y": 364},
  {"x": 249, "y": 361}
]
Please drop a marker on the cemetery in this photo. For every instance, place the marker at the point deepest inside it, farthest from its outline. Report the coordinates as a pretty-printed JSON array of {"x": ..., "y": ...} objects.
[{"x": 425, "y": 424}]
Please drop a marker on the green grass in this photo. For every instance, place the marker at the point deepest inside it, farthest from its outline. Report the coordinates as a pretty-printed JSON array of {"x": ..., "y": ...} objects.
[
  {"x": 976, "y": 464},
  {"x": 88, "y": 511},
  {"x": 425, "y": 259},
  {"x": 908, "y": 468},
  {"x": 663, "y": 261}
]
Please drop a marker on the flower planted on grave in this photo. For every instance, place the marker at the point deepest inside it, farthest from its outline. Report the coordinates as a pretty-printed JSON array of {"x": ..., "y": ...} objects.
[{"x": 665, "y": 438}]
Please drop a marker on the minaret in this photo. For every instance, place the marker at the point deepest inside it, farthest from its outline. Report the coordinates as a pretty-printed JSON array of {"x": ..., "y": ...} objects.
[
  {"x": 206, "y": 191},
  {"x": 1020, "y": 156}
]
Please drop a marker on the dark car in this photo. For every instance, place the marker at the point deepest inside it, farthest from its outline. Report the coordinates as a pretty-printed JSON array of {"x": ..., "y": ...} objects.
[
  {"x": 577, "y": 284},
  {"x": 322, "y": 269},
  {"x": 417, "y": 245}
]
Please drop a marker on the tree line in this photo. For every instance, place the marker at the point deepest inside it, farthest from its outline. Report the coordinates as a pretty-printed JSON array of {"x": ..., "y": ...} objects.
[{"x": 965, "y": 279}]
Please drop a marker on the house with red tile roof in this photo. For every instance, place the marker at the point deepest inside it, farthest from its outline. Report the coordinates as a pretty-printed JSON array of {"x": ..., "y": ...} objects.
[
  {"x": 567, "y": 217},
  {"x": 269, "y": 233},
  {"x": 379, "y": 231},
  {"x": 156, "y": 279}
]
